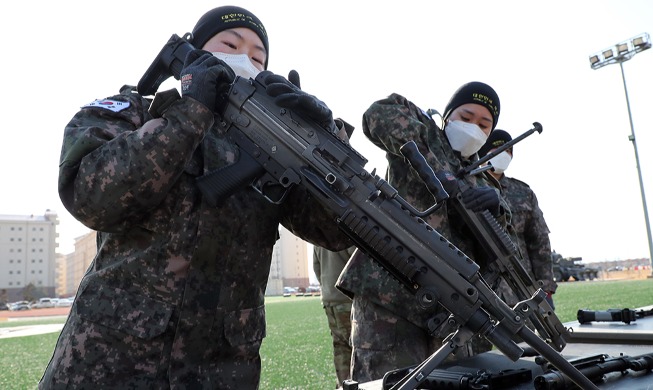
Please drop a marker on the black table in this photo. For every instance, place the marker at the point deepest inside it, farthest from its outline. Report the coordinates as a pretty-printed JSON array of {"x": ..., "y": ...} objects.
[{"x": 611, "y": 338}]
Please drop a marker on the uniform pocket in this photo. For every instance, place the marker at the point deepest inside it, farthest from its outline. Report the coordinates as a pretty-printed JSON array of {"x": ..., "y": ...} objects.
[
  {"x": 245, "y": 326},
  {"x": 376, "y": 335},
  {"x": 123, "y": 311}
]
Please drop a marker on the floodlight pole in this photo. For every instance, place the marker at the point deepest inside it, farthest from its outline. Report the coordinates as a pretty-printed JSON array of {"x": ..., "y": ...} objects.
[
  {"x": 639, "y": 170},
  {"x": 620, "y": 53}
]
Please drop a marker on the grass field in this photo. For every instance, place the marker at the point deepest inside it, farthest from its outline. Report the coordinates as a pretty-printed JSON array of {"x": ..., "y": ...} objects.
[{"x": 297, "y": 351}]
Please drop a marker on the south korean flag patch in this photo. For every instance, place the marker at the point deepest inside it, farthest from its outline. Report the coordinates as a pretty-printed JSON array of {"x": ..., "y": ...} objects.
[{"x": 108, "y": 104}]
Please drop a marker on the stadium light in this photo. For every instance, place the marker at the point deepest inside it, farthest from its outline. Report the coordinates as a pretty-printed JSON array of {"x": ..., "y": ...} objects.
[{"x": 618, "y": 54}]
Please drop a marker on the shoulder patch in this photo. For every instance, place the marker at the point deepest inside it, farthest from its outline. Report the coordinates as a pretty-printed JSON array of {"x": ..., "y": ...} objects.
[{"x": 108, "y": 104}]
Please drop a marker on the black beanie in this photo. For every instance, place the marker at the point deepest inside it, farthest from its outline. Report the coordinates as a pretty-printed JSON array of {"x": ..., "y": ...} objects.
[
  {"x": 224, "y": 18},
  {"x": 477, "y": 93},
  {"x": 495, "y": 140}
]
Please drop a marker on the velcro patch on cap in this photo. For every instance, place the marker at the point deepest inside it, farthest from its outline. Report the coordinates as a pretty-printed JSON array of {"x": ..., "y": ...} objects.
[{"x": 111, "y": 105}]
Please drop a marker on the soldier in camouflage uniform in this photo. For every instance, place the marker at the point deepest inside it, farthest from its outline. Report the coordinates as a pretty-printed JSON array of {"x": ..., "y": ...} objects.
[
  {"x": 388, "y": 325},
  {"x": 174, "y": 298},
  {"x": 527, "y": 221},
  {"x": 337, "y": 306}
]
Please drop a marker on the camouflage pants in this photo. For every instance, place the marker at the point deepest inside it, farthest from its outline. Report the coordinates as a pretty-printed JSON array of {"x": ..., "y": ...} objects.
[
  {"x": 339, "y": 317},
  {"x": 383, "y": 341}
]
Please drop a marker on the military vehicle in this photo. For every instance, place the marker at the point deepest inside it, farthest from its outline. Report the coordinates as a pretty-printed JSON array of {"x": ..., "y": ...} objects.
[{"x": 565, "y": 268}]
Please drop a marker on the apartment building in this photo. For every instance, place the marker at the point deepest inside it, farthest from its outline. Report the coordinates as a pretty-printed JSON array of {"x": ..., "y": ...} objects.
[{"x": 28, "y": 246}]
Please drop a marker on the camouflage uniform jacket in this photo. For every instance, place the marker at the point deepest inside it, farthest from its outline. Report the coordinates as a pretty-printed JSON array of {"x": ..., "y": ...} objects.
[
  {"x": 176, "y": 284},
  {"x": 327, "y": 266},
  {"x": 389, "y": 123},
  {"x": 531, "y": 230}
]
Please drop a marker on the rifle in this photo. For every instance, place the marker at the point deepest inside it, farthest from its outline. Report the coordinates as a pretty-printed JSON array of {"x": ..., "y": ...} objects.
[
  {"x": 280, "y": 149},
  {"x": 168, "y": 63},
  {"x": 626, "y": 315},
  {"x": 504, "y": 261},
  {"x": 594, "y": 368},
  {"x": 459, "y": 380}
]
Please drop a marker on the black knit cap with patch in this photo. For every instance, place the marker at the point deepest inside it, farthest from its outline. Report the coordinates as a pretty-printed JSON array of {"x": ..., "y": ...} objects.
[
  {"x": 224, "y": 18},
  {"x": 477, "y": 93},
  {"x": 497, "y": 138}
]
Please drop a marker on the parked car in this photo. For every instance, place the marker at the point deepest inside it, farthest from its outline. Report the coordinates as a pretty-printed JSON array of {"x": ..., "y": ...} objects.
[
  {"x": 43, "y": 303},
  {"x": 20, "y": 305},
  {"x": 4, "y": 306},
  {"x": 65, "y": 302},
  {"x": 288, "y": 291}
]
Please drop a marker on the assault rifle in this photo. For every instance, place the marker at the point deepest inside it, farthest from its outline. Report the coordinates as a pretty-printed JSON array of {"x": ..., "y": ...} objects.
[
  {"x": 594, "y": 368},
  {"x": 280, "y": 149},
  {"x": 627, "y": 316}
]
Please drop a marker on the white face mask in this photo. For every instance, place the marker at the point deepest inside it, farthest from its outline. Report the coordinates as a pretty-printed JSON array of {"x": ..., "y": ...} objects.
[
  {"x": 464, "y": 137},
  {"x": 240, "y": 63},
  {"x": 501, "y": 161}
]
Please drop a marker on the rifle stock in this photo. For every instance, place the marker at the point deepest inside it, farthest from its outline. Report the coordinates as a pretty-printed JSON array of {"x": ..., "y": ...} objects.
[{"x": 295, "y": 151}]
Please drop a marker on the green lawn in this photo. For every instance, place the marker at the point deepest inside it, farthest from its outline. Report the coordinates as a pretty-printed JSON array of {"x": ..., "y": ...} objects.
[{"x": 297, "y": 351}]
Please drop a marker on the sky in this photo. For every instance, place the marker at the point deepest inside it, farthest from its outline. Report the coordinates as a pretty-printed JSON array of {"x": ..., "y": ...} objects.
[{"x": 59, "y": 56}]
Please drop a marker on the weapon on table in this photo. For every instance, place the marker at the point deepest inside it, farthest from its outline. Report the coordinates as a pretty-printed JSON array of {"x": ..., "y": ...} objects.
[
  {"x": 626, "y": 315},
  {"x": 280, "y": 149},
  {"x": 458, "y": 380},
  {"x": 594, "y": 368}
]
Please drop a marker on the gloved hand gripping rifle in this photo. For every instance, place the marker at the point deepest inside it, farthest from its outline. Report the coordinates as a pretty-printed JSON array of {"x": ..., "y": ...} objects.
[{"x": 280, "y": 149}]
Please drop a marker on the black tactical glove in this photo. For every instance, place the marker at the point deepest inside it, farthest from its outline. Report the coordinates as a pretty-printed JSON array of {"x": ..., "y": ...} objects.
[
  {"x": 289, "y": 96},
  {"x": 475, "y": 198},
  {"x": 482, "y": 198},
  {"x": 206, "y": 79}
]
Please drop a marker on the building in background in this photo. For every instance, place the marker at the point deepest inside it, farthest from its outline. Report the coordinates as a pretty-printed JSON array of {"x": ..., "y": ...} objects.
[
  {"x": 28, "y": 246},
  {"x": 289, "y": 266},
  {"x": 76, "y": 263}
]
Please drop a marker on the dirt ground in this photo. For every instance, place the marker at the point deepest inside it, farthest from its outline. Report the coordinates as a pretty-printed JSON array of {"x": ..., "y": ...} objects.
[{"x": 53, "y": 311}]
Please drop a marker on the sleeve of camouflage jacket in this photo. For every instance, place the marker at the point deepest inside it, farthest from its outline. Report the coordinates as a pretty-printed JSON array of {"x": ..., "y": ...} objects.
[
  {"x": 115, "y": 166},
  {"x": 539, "y": 246},
  {"x": 391, "y": 122}
]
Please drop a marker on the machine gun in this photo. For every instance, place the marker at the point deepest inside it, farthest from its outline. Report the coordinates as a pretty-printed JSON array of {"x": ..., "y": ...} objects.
[
  {"x": 503, "y": 258},
  {"x": 627, "y": 316},
  {"x": 594, "y": 368},
  {"x": 280, "y": 149}
]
